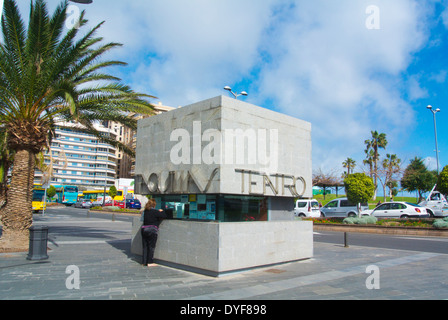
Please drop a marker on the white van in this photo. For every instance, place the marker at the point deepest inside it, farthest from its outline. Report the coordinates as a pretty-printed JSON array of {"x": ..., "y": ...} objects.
[
  {"x": 307, "y": 208},
  {"x": 436, "y": 204},
  {"x": 341, "y": 208}
]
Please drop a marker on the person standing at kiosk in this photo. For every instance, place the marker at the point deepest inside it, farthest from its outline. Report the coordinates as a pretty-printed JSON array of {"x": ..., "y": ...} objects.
[{"x": 150, "y": 230}]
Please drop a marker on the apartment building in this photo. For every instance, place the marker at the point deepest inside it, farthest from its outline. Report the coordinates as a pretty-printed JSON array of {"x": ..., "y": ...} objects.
[
  {"x": 126, "y": 163},
  {"x": 78, "y": 158}
]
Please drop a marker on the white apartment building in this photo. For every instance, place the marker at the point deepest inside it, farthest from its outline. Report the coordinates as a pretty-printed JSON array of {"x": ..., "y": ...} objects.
[
  {"x": 126, "y": 163},
  {"x": 79, "y": 158}
]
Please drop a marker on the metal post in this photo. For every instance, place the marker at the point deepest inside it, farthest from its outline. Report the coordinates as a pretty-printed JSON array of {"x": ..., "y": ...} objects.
[
  {"x": 38, "y": 243},
  {"x": 345, "y": 240},
  {"x": 437, "y": 148}
]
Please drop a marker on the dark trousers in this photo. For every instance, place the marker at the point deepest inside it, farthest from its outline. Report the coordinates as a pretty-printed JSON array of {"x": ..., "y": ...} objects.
[{"x": 149, "y": 237}]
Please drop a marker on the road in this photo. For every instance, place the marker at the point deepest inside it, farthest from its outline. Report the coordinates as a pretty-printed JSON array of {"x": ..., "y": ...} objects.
[{"x": 422, "y": 244}]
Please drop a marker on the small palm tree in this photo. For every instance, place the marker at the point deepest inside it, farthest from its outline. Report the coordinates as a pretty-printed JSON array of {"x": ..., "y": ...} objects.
[
  {"x": 50, "y": 74},
  {"x": 349, "y": 164},
  {"x": 378, "y": 141}
]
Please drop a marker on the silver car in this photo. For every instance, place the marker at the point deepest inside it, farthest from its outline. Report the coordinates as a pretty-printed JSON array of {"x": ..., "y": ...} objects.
[
  {"x": 341, "y": 208},
  {"x": 83, "y": 203}
]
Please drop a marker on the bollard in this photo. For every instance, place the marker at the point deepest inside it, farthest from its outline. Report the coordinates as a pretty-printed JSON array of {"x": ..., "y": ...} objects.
[
  {"x": 38, "y": 243},
  {"x": 345, "y": 240}
]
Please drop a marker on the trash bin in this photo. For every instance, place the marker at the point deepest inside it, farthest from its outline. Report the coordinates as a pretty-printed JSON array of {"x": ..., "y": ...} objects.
[{"x": 38, "y": 243}]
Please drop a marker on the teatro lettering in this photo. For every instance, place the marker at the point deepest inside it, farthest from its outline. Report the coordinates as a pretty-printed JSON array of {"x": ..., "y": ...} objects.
[{"x": 252, "y": 183}]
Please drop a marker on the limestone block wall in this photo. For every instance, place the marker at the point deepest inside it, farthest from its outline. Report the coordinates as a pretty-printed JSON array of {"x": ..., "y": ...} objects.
[
  {"x": 253, "y": 144},
  {"x": 217, "y": 248}
]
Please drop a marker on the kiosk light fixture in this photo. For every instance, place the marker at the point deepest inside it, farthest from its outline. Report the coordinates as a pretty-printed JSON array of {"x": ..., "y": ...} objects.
[
  {"x": 236, "y": 95},
  {"x": 434, "y": 111}
]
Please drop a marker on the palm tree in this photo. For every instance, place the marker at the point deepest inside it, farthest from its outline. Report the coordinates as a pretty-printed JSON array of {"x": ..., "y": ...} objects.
[
  {"x": 5, "y": 163},
  {"x": 350, "y": 164},
  {"x": 50, "y": 74},
  {"x": 369, "y": 160},
  {"x": 392, "y": 166},
  {"x": 378, "y": 141}
]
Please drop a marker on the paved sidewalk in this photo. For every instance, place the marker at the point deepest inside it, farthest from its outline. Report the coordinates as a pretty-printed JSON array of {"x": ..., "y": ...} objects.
[{"x": 100, "y": 250}]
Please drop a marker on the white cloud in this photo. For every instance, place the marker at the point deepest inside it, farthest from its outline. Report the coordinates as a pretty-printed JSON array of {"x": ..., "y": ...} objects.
[
  {"x": 315, "y": 60},
  {"x": 187, "y": 50},
  {"x": 331, "y": 70},
  {"x": 431, "y": 163}
]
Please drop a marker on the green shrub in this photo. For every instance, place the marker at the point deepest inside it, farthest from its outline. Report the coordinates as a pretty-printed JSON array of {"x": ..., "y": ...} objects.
[
  {"x": 440, "y": 223},
  {"x": 362, "y": 220},
  {"x": 371, "y": 219}
]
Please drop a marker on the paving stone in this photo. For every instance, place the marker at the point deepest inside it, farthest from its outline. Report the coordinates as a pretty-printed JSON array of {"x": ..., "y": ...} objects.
[{"x": 108, "y": 271}]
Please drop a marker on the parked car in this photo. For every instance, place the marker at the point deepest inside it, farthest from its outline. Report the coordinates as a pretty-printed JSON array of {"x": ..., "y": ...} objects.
[
  {"x": 133, "y": 204},
  {"x": 114, "y": 203},
  {"x": 397, "y": 210},
  {"x": 97, "y": 203},
  {"x": 83, "y": 203},
  {"x": 435, "y": 204},
  {"x": 120, "y": 204},
  {"x": 341, "y": 208},
  {"x": 307, "y": 208}
]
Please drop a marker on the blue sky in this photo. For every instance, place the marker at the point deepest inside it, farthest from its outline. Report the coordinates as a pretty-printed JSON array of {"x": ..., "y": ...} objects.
[{"x": 314, "y": 60}]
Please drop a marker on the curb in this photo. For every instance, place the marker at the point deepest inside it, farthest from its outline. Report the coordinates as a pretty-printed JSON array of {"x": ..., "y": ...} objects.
[
  {"x": 137, "y": 214},
  {"x": 407, "y": 231}
]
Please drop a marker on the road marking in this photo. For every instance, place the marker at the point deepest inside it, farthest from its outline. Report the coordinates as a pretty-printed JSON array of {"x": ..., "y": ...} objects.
[
  {"x": 425, "y": 239},
  {"x": 43, "y": 222},
  {"x": 83, "y": 242}
]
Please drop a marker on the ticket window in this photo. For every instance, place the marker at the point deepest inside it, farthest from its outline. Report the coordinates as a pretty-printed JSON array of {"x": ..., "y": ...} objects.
[
  {"x": 203, "y": 209},
  {"x": 193, "y": 207}
]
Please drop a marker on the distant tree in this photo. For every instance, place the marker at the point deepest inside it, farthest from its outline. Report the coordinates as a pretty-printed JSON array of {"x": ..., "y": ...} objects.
[
  {"x": 349, "y": 164},
  {"x": 359, "y": 188},
  {"x": 418, "y": 178},
  {"x": 112, "y": 192},
  {"x": 378, "y": 141},
  {"x": 391, "y": 166},
  {"x": 442, "y": 183},
  {"x": 51, "y": 192}
]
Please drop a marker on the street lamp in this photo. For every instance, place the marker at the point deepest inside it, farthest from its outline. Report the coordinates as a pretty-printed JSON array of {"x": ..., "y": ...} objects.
[
  {"x": 435, "y": 133},
  {"x": 243, "y": 93}
]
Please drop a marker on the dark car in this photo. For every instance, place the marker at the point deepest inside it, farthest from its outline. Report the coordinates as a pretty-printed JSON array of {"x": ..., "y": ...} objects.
[{"x": 133, "y": 204}]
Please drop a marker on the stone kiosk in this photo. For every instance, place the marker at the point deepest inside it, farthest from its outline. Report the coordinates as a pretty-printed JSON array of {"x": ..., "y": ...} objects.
[{"x": 227, "y": 172}]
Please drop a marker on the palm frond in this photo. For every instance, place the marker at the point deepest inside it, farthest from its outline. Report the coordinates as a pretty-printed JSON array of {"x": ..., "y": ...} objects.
[{"x": 48, "y": 72}]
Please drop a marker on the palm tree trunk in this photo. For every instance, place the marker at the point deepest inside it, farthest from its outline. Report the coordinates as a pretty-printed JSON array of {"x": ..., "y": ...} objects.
[{"x": 17, "y": 215}]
